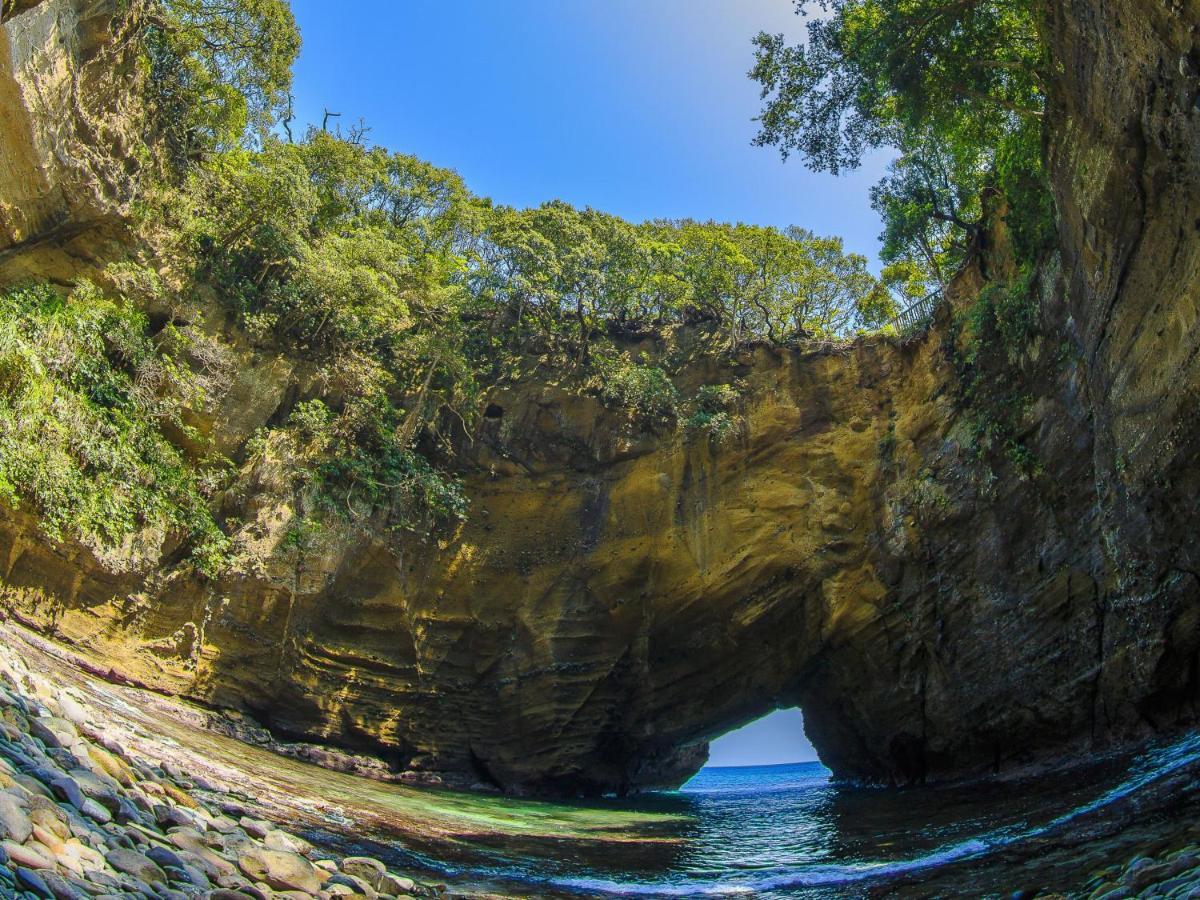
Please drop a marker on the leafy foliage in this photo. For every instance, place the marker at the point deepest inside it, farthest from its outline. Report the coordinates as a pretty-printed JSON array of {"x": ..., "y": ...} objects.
[
  {"x": 85, "y": 398},
  {"x": 954, "y": 85},
  {"x": 988, "y": 338},
  {"x": 219, "y": 70},
  {"x": 713, "y": 412}
]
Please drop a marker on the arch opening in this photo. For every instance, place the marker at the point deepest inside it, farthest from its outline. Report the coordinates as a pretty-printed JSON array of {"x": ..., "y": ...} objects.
[{"x": 776, "y": 738}]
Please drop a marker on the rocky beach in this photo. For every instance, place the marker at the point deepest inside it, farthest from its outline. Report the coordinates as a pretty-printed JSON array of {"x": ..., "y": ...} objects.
[{"x": 85, "y": 811}]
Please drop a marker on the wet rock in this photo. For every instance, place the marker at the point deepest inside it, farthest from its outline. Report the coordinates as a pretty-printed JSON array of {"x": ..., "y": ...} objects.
[{"x": 280, "y": 869}]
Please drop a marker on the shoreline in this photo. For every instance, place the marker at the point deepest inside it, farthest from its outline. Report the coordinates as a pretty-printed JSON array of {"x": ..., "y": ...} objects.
[{"x": 179, "y": 772}]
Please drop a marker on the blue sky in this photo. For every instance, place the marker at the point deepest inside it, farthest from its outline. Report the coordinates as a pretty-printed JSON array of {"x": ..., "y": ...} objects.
[
  {"x": 776, "y": 738},
  {"x": 641, "y": 108}
]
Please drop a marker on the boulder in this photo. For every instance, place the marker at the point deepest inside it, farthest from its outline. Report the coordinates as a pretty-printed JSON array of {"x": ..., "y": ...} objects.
[
  {"x": 280, "y": 869},
  {"x": 136, "y": 864}
]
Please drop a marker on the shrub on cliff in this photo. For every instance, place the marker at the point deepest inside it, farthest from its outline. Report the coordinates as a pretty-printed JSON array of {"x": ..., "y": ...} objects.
[{"x": 87, "y": 397}]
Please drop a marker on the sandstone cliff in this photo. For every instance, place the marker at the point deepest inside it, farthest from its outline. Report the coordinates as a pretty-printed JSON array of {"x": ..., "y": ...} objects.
[{"x": 620, "y": 595}]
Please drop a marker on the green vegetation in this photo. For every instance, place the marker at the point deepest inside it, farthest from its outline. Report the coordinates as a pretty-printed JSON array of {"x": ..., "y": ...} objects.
[
  {"x": 713, "y": 412},
  {"x": 402, "y": 294},
  {"x": 410, "y": 295},
  {"x": 219, "y": 71},
  {"x": 406, "y": 297},
  {"x": 86, "y": 399},
  {"x": 989, "y": 339},
  {"x": 955, "y": 85}
]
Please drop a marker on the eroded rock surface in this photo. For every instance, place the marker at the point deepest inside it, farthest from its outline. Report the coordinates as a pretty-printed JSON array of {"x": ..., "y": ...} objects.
[{"x": 621, "y": 594}]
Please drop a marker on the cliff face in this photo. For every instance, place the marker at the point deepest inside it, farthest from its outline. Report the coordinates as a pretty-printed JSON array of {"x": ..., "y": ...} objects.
[
  {"x": 620, "y": 595},
  {"x": 70, "y": 121}
]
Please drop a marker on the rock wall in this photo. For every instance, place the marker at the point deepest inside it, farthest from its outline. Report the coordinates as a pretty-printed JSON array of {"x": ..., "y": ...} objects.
[
  {"x": 71, "y": 116},
  {"x": 622, "y": 594}
]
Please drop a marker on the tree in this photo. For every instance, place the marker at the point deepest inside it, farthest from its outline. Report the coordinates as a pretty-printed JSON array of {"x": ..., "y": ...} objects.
[
  {"x": 950, "y": 83},
  {"x": 219, "y": 70}
]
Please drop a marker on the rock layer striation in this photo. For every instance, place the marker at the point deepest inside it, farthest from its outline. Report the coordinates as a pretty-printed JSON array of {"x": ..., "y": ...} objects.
[{"x": 621, "y": 593}]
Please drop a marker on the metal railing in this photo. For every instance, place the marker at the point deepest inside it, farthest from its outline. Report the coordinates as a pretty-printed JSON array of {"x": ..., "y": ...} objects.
[{"x": 918, "y": 314}]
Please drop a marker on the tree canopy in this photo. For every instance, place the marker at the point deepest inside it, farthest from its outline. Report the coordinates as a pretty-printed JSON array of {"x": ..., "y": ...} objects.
[{"x": 955, "y": 85}]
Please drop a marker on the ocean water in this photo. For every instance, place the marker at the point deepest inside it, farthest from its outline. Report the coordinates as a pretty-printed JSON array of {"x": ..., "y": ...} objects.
[{"x": 788, "y": 831}]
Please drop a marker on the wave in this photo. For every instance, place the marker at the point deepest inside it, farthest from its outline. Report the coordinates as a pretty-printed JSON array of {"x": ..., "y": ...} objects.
[{"x": 1145, "y": 770}]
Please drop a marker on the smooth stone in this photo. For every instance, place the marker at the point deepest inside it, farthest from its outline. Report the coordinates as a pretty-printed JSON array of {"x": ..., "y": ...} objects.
[
  {"x": 133, "y": 863},
  {"x": 395, "y": 884},
  {"x": 99, "y": 787},
  {"x": 53, "y": 820},
  {"x": 33, "y": 882},
  {"x": 213, "y": 866},
  {"x": 126, "y": 813},
  {"x": 94, "y": 810},
  {"x": 173, "y": 817},
  {"x": 49, "y": 840},
  {"x": 15, "y": 823},
  {"x": 54, "y": 732},
  {"x": 63, "y": 889},
  {"x": 255, "y": 827},
  {"x": 66, "y": 789},
  {"x": 33, "y": 785},
  {"x": 281, "y": 840},
  {"x": 26, "y": 856},
  {"x": 164, "y": 857},
  {"x": 223, "y": 825},
  {"x": 365, "y": 867},
  {"x": 359, "y": 885},
  {"x": 72, "y": 709},
  {"x": 111, "y": 765},
  {"x": 280, "y": 869}
]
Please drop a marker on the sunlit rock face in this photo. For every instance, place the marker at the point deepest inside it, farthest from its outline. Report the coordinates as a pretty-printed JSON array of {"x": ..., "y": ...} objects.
[
  {"x": 623, "y": 592},
  {"x": 71, "y": 114}
]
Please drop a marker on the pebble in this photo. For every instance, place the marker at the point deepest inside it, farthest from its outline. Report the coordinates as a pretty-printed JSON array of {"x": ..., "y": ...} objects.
[
  {"x": 14, "y": 822},
  {"x": 26, "y": 856},
  {"x": 364, "y": 867},
  {"x": 66, "y": 789},
  {"x": 33, "y": 882},
  {"x": 280, "y": 869},
  {"x": 281, "y": 840},
  {"x": 257, "y": 828},
  {"x": 356, "y": 884},
  {"x": 133, "y": 863},
  {"x": 93, "y": 810}
]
